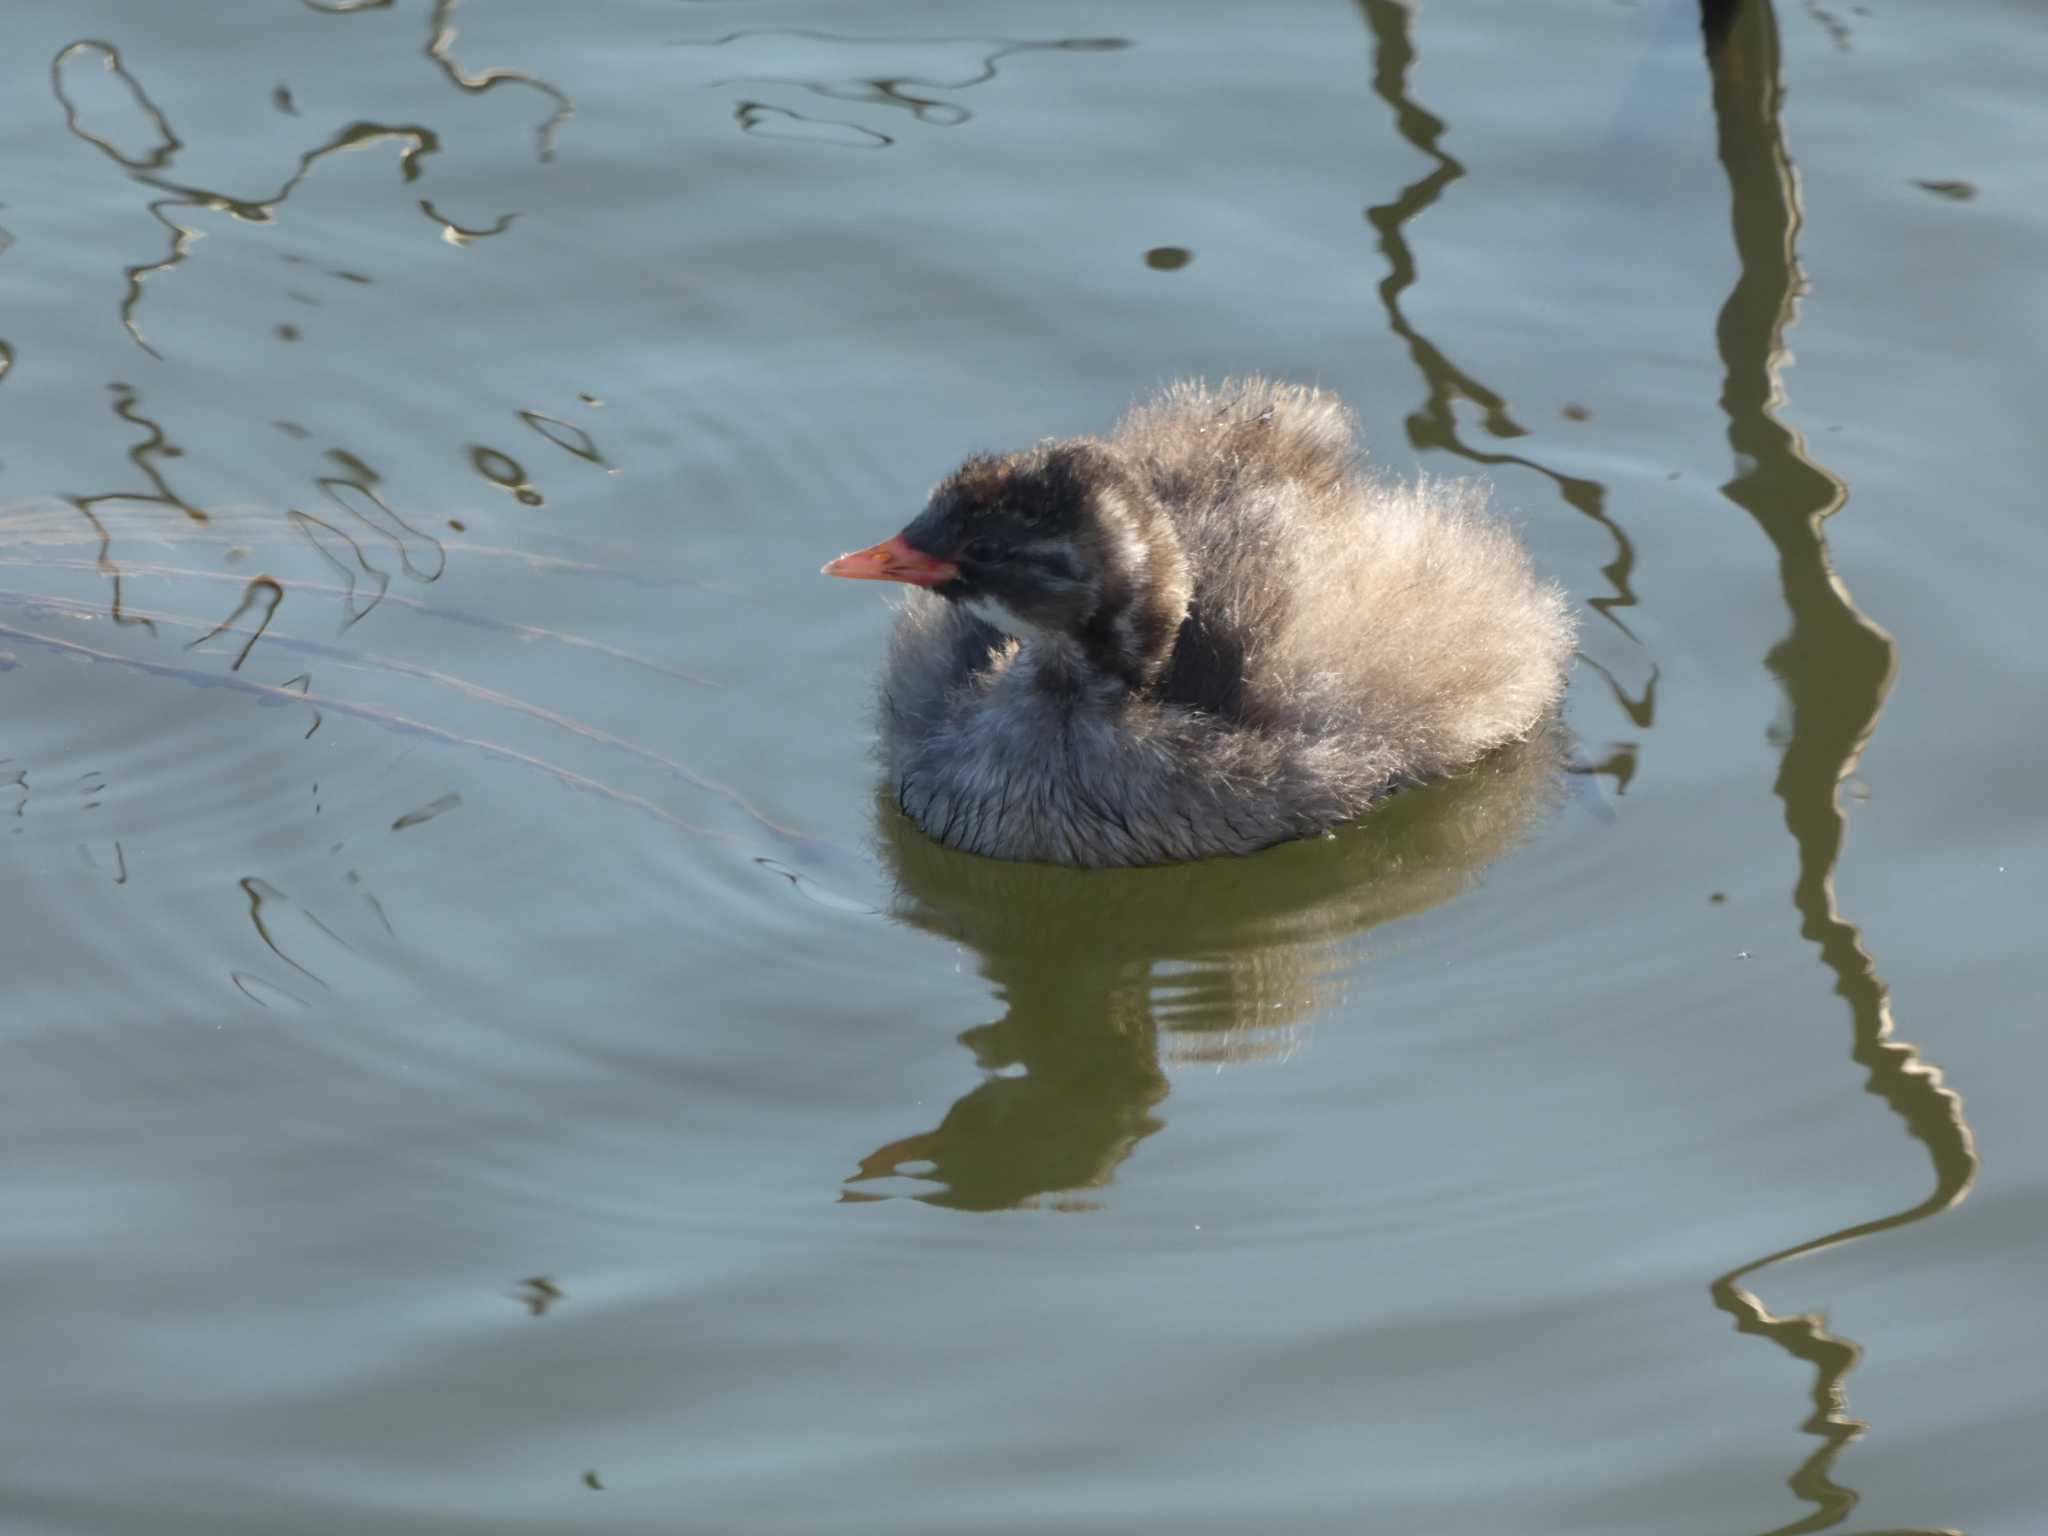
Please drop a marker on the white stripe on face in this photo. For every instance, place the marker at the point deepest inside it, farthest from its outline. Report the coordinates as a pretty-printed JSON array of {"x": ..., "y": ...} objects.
[{"x": 992, "y": 610}]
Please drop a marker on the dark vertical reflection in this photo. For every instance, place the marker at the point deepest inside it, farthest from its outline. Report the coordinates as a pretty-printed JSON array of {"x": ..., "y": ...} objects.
[
  {"x": 1835, "y": 667},
  {"x": 1435, "y": 423},
  {"x": 1717, "y": 17}
]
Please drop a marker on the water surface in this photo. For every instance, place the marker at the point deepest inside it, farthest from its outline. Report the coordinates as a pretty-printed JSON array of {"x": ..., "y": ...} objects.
[{"x": 480, "y": 1057}]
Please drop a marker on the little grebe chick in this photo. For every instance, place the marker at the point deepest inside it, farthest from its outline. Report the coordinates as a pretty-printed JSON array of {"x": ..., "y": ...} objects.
[{"x": 1208, "y": 632}]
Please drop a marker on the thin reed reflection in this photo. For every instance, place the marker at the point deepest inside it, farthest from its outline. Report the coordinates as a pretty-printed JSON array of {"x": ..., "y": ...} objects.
[
  {"x": 144, "y": 456},
  {"x": 393, "y": 666},
  {"x": 565, "y": 435},
  {"x": 390, "y": 719},
  {"x": 259, "y": 893},
  {"x": 766, "y": 122},
  {"x": 44, "y": 537},
  {"x": 1835, "y": 667},
  {"x": 1434, "y": 424},
  {"x": 440, "y": 48},
  {"x": 355, "y": 498},
  {"x": 47, "y": 526},
  {"x": 263, "y": 591},
  {"x": 1108, "y": 978},
  {"x": 891, "y": 90},
  {"x": 305, "y": 523}
]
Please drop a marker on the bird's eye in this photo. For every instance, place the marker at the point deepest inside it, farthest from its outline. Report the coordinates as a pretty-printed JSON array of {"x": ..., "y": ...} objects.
[{"x": 980, "y": 549}]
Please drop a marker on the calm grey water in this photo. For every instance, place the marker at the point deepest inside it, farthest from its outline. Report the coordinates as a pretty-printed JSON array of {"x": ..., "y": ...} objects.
[{"x": 477, "y": 1059}]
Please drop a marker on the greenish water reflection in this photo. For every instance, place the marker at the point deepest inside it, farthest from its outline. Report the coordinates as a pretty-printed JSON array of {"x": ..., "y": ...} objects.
[
  {"x": 1835, "y": 667},
  {"x": 1107, "y": 974}
]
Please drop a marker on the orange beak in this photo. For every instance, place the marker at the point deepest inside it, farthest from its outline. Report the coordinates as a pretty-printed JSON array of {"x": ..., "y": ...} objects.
[{"x": 893, "y": 560}]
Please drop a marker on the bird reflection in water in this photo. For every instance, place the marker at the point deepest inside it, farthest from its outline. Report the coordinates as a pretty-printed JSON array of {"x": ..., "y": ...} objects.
[{"x": 1109, "y": 978}]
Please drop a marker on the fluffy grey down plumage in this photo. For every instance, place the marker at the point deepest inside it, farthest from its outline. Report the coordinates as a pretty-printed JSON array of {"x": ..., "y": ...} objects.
[{"x": 1236, "y": 635}]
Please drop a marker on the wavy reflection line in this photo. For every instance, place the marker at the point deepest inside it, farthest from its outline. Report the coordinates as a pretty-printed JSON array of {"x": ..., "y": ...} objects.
[
  {"x": 104, "y": 565},
  {"x": 510, "y": 703},
  {"x": 419, "y": 141},
  {"x": 565, "y": 435},
  {"x": 258, "y": 892},
  {"x": 1836, "y": 667},
  {"x": 440, "y": 42},
  {"x": 154, "y": 446},
  {"x": 454, "y": 616},
  {"x": 1435, "y": 423},
  {"x": 441, "y": 36},
  {"x": 355, "y": 882},
  {"x": 147, "y": 169},
  {"x": 390, "y": 719},
  {"x": 168, "y": 142},
  {"x": 304, "y": 683},
  {"x": 456, "y": 234},
  {"x": 318, "y": 922},
  {"x": 875, "y": 93},
  {"x": 1003, "y": 48},
  {"x": 331, "y": 486},
  {"x": 257, "y": 589},
  {"x": 360, "y": 471},
  {"x": 889, "y": 91},
  {"x": 428, "y": 812},
  {"x": 505, "y": 472},
  {"x": 305, "y": 523},
  {"x": 241, "y": 979},
  {"x": 513, "y": 704},
  {"x": 750, "y": 115},
  {"x": 182, "y": 240}
]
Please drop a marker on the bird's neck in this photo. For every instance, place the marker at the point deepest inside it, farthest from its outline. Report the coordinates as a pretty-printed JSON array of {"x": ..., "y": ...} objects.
[{"x": 1126, "y": 642}]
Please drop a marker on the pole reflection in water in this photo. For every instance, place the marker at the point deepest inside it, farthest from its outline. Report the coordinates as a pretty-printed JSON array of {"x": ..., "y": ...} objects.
[
  {"x": 1835, "y": 667},
  {"x": 1434, "y": 424},
  {"x": 1108, "y": 977}
]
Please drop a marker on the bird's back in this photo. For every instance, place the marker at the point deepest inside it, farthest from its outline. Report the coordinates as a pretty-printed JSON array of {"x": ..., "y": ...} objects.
[
  {"x": 1339, "y": 603},
  {"x": 1346, "y": 634}
]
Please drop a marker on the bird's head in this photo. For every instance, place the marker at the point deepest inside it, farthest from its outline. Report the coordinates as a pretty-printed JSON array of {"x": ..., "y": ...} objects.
[{"x": 1064, "y": 543}]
